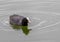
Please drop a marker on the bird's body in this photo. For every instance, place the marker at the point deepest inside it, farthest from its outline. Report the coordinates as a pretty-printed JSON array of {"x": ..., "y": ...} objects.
[{"x": 16, "y": 19}]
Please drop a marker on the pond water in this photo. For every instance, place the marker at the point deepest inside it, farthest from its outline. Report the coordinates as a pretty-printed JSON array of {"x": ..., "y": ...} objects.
[{"x": 44, "y": 16}]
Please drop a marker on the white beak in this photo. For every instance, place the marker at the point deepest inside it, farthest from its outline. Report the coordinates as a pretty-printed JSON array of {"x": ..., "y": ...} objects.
[{"x": 29, "y": 20}]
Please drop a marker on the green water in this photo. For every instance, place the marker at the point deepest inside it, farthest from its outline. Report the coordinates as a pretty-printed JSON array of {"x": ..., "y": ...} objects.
[{"x": 24, "y": 28}]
